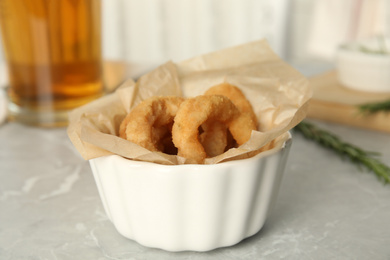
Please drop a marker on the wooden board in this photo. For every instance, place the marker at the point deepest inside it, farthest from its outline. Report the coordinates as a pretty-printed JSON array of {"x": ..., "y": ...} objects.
[{"x": 335, "y": 103}]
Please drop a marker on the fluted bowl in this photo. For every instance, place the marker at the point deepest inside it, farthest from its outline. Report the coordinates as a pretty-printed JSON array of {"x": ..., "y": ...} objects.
[{"x": 189, "y": 207}]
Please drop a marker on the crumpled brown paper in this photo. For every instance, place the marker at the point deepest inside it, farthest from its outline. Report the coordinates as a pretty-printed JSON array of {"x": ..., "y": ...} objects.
[{"x": 278, "y": 93}]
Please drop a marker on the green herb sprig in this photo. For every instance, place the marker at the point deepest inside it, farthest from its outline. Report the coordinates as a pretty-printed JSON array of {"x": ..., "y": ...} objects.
[
  {"x": 381, "y": 49},
  {"x": 372, "y": 108},
  {"x": 354, "y": 153}
]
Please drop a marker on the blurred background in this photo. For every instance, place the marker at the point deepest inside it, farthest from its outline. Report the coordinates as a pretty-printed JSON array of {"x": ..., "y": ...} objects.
[{"x": 300, "y": 31}]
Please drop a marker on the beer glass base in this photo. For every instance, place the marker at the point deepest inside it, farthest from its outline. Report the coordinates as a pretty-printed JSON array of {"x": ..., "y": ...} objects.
[{"x": 37, "y": 117}]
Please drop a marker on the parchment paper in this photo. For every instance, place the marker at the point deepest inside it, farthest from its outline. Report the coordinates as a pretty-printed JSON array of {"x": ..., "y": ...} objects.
[{"x": 278, "y": 93}]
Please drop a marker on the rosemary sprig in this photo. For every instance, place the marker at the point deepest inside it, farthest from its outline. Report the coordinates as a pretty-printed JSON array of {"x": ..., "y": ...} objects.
[
  {"x": 354, "y": 153},
  {"x": 371, "y": 108}
]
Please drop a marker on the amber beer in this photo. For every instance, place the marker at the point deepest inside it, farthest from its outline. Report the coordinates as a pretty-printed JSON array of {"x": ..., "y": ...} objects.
[{"x": 53, "y": 52}]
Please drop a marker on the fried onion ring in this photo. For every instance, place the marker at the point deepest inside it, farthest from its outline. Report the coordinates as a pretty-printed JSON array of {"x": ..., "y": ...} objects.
[
  {"x": 150, "y": 122},
  {"x": 238, "y": 98},
  {"x": 193, "y": 113},
  {"x": 214, "y": 138}
]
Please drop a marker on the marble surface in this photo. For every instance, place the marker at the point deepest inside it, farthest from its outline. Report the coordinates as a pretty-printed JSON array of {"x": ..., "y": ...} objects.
[{"x": 327, "y": 208}]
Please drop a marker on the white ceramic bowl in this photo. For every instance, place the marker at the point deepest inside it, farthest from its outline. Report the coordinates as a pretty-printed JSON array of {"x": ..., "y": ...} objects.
[
  {"x": 189, "y": 207},
  {"x": 364, "y": 70}
]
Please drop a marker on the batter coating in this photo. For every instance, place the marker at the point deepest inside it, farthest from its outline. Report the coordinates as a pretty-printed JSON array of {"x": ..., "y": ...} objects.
[
  {"x": 193, "y": 113},
  {"x": 215, "y": 137},
  {"x": 150, "y": 122}
]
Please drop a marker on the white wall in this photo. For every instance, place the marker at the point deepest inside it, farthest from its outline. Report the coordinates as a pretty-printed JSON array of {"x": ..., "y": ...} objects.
[
  {"x": 299, "y": 29},
  {"x": 153, "y": 31},
  {"x": 158, "y": 30}
]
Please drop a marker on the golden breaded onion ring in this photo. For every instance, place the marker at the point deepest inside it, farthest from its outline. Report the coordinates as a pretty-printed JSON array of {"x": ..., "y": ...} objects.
[
  {"x": 237, "y": 97},
  {"x": 193, "y": 113},
  {"x": 215, "y": 137},
  {"x": 150, "y": 121}
]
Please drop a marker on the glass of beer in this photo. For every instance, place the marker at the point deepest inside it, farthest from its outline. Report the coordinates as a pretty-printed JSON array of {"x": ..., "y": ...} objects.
[{"x": 53, "y": 54}]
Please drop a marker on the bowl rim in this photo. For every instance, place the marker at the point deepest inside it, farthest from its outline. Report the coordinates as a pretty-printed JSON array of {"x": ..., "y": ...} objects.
[{"x": 264, "y": 154}]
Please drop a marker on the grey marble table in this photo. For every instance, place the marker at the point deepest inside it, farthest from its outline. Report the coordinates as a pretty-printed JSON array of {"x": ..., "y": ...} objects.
[{"x": 327, "y": 208}]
